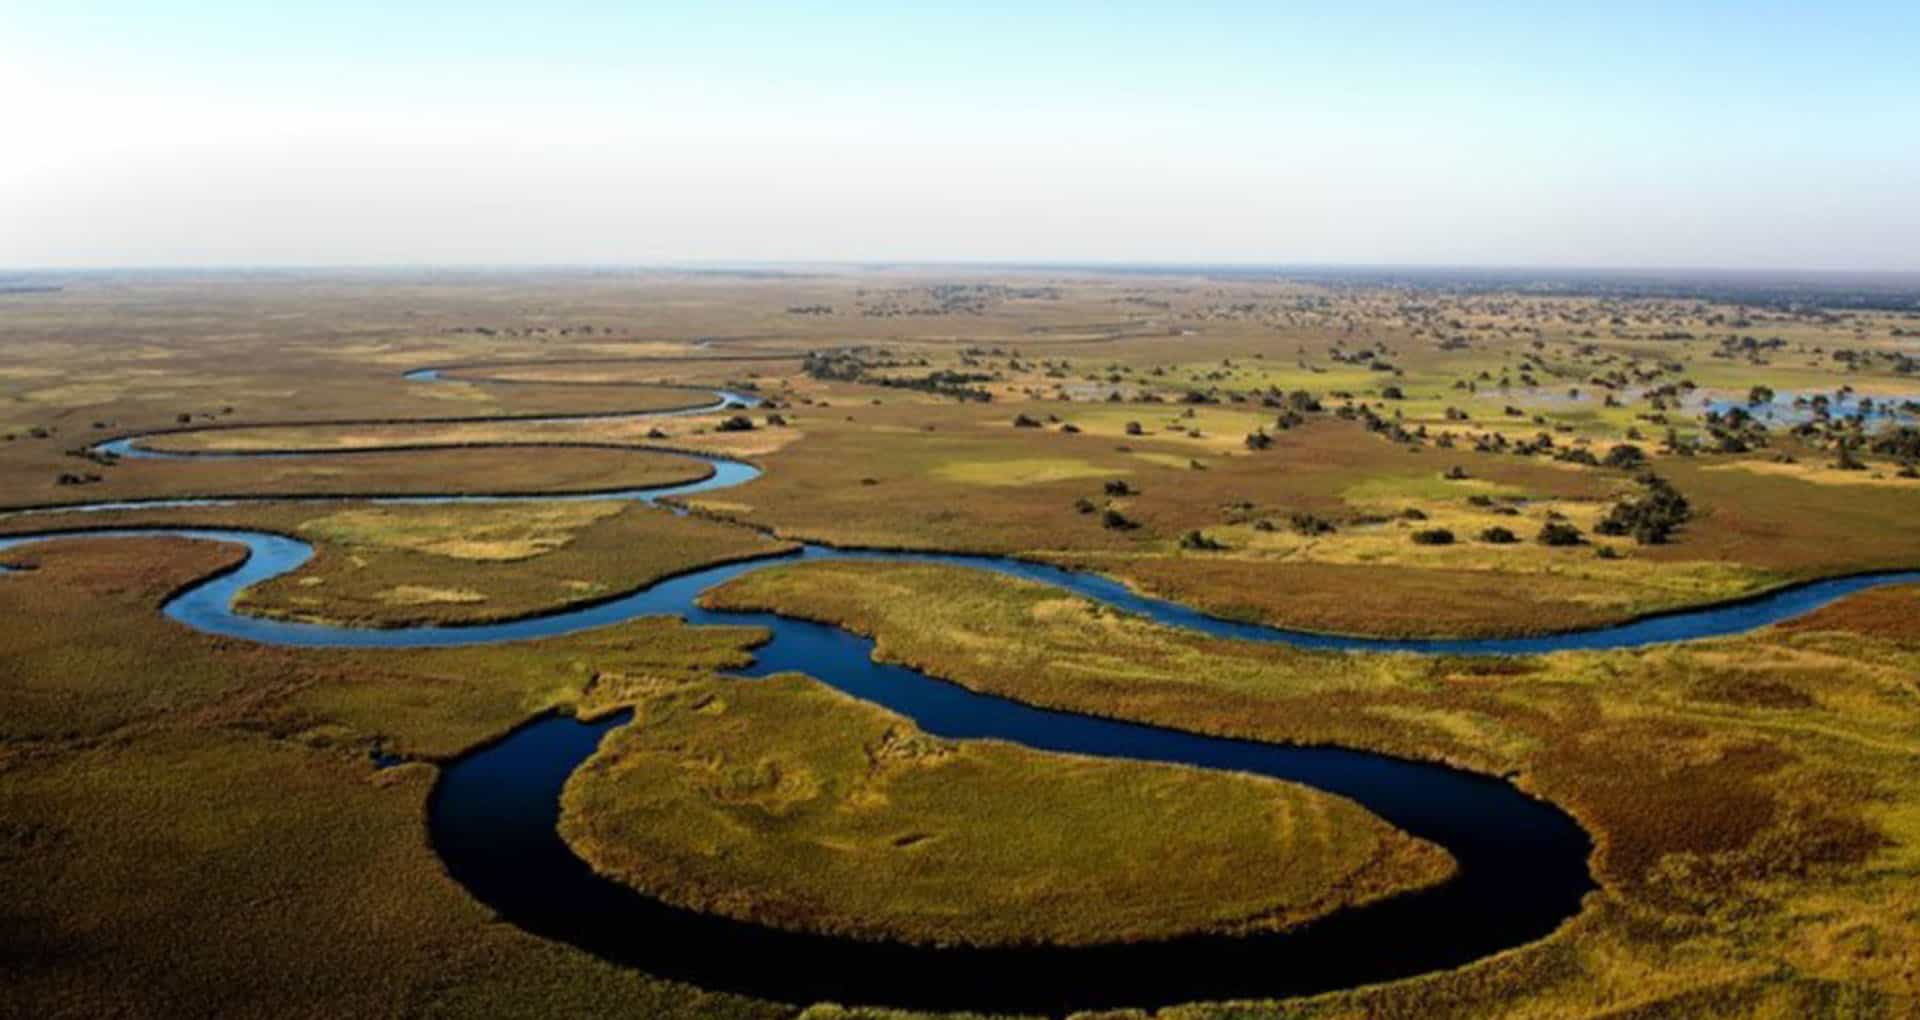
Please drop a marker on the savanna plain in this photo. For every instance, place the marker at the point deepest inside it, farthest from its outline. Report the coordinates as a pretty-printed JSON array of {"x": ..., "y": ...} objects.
[{"x": 195, "y": 824}]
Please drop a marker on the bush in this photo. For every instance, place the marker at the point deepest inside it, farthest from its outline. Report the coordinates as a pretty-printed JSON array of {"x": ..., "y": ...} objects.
[
  {"x": 1433, "y": 536},
  {"x": 1625, "y": 456},
  {"x": 1455, "y": 473},
  {"x": 1119, "y": 487},
  {"x": 1114, "y": 520},
  {"x": 1309, "y": 524},
  {"x": 737, "y": 423},
  {"x": 1198, "y": 540},
  {"x": 1650, "y": 518},
  {"x": 1498, "y": 536},
  {"x": 1303, "y": 402},
  {"x": 1560, "y": 533},
  {"x": 1021, "y": 421},
  {"x": 1902, "y": 444}
]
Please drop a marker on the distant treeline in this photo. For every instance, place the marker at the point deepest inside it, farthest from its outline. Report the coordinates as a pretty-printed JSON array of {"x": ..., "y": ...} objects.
[
  {"x": 1783, "y": 289},
  {"x": 1894, "y": 292},
  {"x": 1769, "y": 289}
]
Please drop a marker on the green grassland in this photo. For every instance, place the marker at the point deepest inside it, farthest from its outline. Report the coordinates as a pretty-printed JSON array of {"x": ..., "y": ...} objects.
[
  {"x": 961, "y": 477},
  {"x": 1757, "y": 826},
  {"x": 695, "y": 433},
  {"x": 498, "y": 470},
  {"x": 400, "y": 565},
  {"x": 194, "y": 826},
  {"x": 789, "y": 803},
  {"x": 393, "y": 565}
]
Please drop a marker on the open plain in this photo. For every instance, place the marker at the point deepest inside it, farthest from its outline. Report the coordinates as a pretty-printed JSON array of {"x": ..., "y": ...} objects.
[{"x": 1248, "y": 509}]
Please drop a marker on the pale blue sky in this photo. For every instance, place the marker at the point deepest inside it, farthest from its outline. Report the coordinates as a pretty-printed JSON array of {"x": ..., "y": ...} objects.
[{"x": 1740, "y": 135}]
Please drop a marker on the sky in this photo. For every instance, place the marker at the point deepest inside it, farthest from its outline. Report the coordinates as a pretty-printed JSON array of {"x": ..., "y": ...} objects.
[{"x": 1625, "y": 134}]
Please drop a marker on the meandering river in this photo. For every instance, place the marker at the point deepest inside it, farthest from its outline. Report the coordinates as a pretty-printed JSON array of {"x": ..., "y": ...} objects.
[{"x": 1522, "y": 863}]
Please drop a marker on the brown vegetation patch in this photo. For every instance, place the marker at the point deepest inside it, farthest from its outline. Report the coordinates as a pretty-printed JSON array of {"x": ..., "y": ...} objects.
[
  {"x": 1889, "y": 613},
  {"x": 1750, "y": 691}
]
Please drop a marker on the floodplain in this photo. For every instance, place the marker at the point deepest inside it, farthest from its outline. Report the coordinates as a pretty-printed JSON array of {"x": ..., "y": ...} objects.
[{"x": 192, "y": 820}]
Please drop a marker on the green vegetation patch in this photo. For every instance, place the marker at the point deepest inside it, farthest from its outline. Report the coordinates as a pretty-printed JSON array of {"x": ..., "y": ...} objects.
[
  {"x": 1022, "y": 471},
  {"x": 789, "y": 803},
  {"x": 463, "y": 531},
  {"x": 1426, "y": 485},
  {"x": 396, "y": 564}
]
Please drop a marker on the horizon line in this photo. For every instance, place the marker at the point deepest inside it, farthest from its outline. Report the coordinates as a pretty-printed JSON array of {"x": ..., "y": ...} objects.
[{"x": 1095, "y": 265}]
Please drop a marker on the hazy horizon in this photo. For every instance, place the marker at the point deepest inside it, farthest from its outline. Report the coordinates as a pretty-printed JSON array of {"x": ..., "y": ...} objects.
[
  {"x": 1638, "y": 137},
  {"x": 723, "y": 266}
]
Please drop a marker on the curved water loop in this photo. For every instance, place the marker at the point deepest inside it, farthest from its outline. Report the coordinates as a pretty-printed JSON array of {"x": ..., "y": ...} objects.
[{"x": 1522, "y": 863}]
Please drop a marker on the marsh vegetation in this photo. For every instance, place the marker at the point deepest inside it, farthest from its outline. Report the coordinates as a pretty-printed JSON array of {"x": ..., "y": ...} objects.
[{"x": 1273, "y": 450}]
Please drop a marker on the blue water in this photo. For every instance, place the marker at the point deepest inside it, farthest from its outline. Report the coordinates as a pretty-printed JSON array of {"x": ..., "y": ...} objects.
[
  {"x": 1522, "y": 863},
  {"x": 207, "y": 606},
  {"x": 1782, "y": 409}
]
